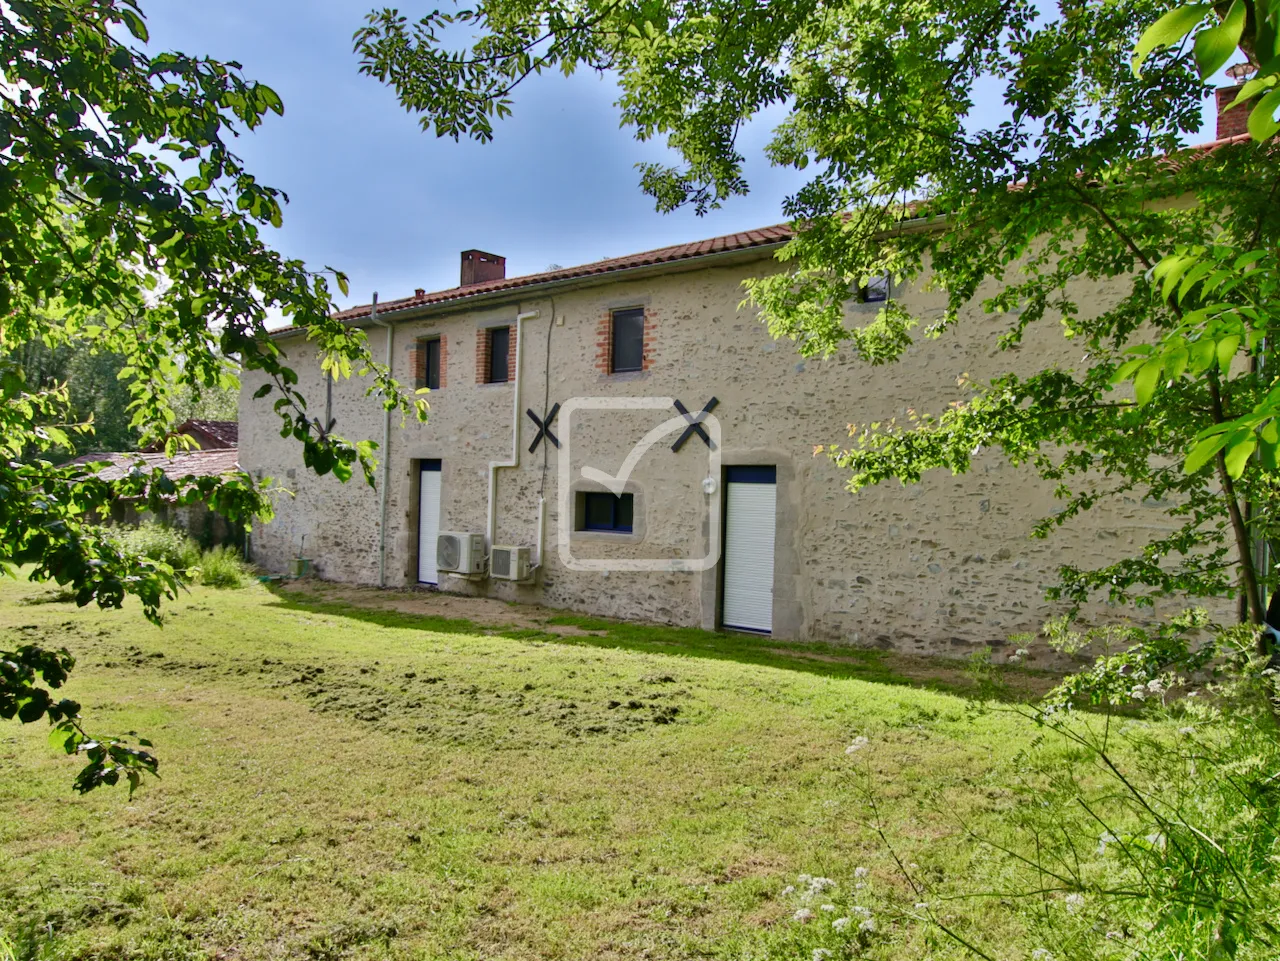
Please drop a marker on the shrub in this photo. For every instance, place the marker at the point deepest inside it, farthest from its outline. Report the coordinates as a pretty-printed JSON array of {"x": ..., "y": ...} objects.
[
  {"x": 160, "y": 543},
  {"x": 222, "y": 567}
]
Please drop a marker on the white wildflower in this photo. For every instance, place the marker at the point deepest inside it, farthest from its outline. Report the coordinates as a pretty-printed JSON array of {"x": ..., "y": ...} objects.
[
  {"x": 789, "y": 889},
  {"x": 1041, "y": 954},
  {"x": 828, "y": 908},
  {"x": 868, "y": 925},
  {"x": 860, "y": 885},
  {"x": 1186, "y": 731},
  {"x": 820, "y": 884},
  {"x": 840, "y": 923},
  {"x": 922, "y": 905},
  {"x": 860, "y": 872},
  {"x": 1074, "y": 902},
  {"x": 820, "y": 953},
  {"x": 1139, "y": 692},
  {"x": 804, "y": 914},
  {"x": 1115, "y": 935},
  {"x": 860, "y": 909},
  {"x": 1156, "y": 686},
  {"x": 804, "y": 878},
  {"x": 858, "y": 744}
]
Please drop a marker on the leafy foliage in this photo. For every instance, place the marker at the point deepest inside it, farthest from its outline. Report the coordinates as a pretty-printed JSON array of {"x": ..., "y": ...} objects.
[
  {"x": 222, "y": 567},
  {"x": 129, "y": 229}
]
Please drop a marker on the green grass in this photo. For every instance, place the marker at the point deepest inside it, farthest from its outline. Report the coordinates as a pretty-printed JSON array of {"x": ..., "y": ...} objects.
[{"x": 342, "y": 782}]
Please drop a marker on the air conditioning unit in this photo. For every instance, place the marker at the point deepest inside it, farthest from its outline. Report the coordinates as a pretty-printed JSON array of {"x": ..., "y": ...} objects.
[
  {"x": 460, "y": 553},
  {"x": 509, "y": 563}
]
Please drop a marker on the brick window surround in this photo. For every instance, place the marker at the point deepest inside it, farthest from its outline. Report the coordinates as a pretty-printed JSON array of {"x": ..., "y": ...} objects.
[
  {"x": 418, "y": 361},
  {"x": 604, "y": 341},
  {"x": 483, "y": 341}
]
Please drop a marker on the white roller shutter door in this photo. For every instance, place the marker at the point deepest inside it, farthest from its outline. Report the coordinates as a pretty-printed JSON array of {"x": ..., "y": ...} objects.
[
  {"x": 428, "y": 521},
  {"x": 750, "y": 522}
]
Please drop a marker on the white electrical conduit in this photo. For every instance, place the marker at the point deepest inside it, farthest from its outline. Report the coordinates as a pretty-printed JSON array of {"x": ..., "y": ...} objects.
[
  {"x": 514, "y": 461},
  {"x": 386, "y": 452}
]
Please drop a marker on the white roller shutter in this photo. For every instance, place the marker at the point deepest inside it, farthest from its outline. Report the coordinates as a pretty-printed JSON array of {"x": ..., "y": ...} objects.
[
  {"x": 750, "y": 521},
  {"x": 428, "y": 521}
]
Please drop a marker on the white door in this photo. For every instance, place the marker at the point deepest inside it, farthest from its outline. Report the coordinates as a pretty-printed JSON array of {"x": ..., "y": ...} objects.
[
  {"x": 750, "y": 505},
  {"x": 428, "y": 520}
]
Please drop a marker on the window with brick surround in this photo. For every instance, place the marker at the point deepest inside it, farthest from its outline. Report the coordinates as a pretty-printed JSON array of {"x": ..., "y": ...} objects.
[
  {"x": 494, "y": 366},
  {"x": 429, "y": 360},
  {"x": 626, "y": 340}
]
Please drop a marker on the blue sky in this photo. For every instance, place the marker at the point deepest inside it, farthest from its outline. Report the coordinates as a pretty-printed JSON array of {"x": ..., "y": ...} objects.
[{"x": 372, "y": 194}]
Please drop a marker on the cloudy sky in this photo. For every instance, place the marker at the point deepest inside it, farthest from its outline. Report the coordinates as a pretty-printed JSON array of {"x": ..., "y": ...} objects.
[{"x": 372, "y": 194}]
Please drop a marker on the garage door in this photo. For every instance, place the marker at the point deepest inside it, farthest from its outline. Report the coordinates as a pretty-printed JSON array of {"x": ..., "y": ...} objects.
[
  {"x": 750, "y": 508},
  {"x": 428, "y": 520}
]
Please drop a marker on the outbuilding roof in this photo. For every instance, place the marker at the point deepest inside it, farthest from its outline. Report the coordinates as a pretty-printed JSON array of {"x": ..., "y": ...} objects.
[{"x": 196, "y": 463}]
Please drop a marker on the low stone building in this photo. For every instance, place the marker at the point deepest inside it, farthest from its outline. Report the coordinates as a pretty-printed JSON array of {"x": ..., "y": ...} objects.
[
  {"x": 558, "y": 437},
  {"x": 217, "y": 456}
]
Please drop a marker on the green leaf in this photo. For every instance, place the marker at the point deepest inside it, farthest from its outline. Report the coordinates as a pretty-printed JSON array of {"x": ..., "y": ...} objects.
[
  {"x": 1238, "y": 453},
  {"x": 1262, "y": 124},
  {"x": 1226, "y": 349},
  {"x": 135, "y": 24},
  {"x": 1144, "y": 384},
  {"x": 1126, "y": 370},
  {"x": 1169, "y": 29},
  {"x": 1215, "y": 45},
  {"x": 1203, "y": 452},
  {"x": 1176, "y": 362}
]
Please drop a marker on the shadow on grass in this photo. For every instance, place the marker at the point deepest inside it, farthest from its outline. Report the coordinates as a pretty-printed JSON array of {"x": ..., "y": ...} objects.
[{"x": 826, "y": 660}]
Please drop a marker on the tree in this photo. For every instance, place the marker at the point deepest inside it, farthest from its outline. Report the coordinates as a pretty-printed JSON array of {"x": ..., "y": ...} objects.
[
  {"x": 128, "y": 227},
  {"x": 1086, "y": 176}
]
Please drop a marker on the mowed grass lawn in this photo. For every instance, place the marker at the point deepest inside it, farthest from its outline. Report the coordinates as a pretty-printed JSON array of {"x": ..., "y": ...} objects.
[{"x": 343, "y": 783}]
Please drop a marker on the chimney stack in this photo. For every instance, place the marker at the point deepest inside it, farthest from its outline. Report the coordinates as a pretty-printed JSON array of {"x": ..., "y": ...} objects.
[
  {"x": 479, "y": 267},
  {"x": 1233, "y": 123}
]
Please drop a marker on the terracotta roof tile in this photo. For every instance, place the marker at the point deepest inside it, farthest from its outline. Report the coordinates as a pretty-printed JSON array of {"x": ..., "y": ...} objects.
[{"x": 745, "y": 240}]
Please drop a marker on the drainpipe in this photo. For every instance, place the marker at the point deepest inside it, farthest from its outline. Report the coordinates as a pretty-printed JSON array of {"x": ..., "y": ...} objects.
[
  {"x": 386, "y": 451},
  {"x": 514, "y": 460}
]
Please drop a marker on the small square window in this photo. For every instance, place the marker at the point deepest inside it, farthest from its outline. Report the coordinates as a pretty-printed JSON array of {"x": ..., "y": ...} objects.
[
  {"x": 876, "y": 290},
  {"x": 606, "y": 512},
  {"x": 432, "y": 349},
  {"x": 499, "y": 342},
  {"x": 627, "y": 340}
]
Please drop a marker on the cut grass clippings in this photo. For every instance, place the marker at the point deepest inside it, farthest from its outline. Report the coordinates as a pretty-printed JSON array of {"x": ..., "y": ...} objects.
[{"x": 339, "y": 781}]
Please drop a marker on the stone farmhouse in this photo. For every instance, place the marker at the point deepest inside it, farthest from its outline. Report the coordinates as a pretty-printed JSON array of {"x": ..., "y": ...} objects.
[{"x": 532, "y": 481}]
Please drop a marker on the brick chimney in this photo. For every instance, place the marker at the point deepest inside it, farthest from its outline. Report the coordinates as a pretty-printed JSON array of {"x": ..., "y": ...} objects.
[
  {"x": 479, "y": 267},
  {"x": 1233, "y": 123}
]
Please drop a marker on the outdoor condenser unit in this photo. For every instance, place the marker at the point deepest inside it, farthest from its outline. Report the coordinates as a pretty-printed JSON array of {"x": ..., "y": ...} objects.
[
  {"x": 460, "y": 553},
  {"x": 509, "y": 563}
]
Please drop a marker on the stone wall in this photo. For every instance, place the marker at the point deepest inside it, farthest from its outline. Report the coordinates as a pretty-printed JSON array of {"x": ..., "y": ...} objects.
[{"x": 935, "y": 567}]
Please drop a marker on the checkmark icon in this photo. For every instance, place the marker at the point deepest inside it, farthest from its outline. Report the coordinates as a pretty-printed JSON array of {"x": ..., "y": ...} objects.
[
  {"x": 618, "y": 482},
  {"x": 670, "y": 485}
]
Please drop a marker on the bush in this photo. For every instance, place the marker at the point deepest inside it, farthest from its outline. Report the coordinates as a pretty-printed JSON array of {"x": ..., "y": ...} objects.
[
  {"x": 222, "y": 567},
  {"x": 165, "y": 544}
]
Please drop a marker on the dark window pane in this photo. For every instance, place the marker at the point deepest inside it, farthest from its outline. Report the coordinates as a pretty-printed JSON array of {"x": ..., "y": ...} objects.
[
  {"x": 877, "y": 290},
  {"x": 628, "y": 339},
  {"x": 604, "y": 512},
  {"x": 622, "y": 515},
  {"x": 433, "y": 364},
  {"x": 599, "y": 512},
  {"x": 499, "y": 340}
]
